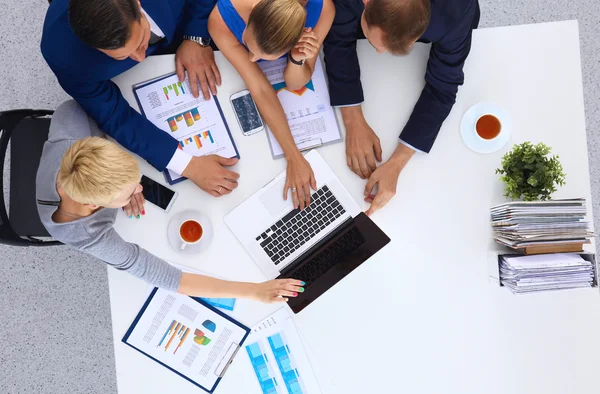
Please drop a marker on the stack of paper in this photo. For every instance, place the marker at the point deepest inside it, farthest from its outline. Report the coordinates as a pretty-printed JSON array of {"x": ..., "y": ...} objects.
[
  {"x": 527, "y": 274},
  {"x": 541, "y": 223}
]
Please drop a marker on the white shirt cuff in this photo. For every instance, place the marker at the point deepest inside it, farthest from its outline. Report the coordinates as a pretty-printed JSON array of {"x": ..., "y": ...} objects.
[
  {"x": 410, "y": 146},
  {"x": 347, "y": 105},
  {"x": 179, "y": 161}
]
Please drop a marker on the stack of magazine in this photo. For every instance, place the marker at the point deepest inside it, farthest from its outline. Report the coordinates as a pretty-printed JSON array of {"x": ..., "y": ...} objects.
[
  {"x": 542, "y": 226},
  {"x": 557, "y": 271}
]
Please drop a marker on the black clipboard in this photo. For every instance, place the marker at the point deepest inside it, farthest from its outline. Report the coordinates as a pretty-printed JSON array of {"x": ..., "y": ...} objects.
[
  {"x": 207, "y": 306},
  {"x": 152, "y": 81}
]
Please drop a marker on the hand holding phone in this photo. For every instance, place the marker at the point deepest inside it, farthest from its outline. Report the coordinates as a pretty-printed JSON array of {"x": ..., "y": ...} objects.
[{"x": 246, "y": 112}]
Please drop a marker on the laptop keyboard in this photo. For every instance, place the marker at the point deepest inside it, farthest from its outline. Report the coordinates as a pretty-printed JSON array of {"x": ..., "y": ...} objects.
[
  {"x": 329, "y": 257},
  {"x": 298, "y": 227}
]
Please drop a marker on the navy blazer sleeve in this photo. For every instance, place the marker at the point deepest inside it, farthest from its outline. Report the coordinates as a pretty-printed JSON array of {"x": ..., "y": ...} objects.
[
  {"x": 443, "y": 77},
  {"x": 196, "y": 17},
  {"x": 103, "y": 101},
  {"x": 341, "y": 60}
]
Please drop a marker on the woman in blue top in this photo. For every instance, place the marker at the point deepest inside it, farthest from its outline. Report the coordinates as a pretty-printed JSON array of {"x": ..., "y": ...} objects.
[{"x": 247, "y": 31}]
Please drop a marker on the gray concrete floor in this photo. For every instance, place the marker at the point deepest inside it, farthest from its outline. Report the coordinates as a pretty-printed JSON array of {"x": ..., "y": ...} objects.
[{"x": 54, "y": 304}]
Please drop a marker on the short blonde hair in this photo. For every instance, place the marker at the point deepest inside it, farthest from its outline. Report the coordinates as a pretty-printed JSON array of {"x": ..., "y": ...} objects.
[
  {"x": 95, "y": 171},
  {"x": 277, "y": 25}
]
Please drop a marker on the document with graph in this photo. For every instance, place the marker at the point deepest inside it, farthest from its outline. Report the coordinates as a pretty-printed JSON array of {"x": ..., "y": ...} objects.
[
  {"x": 275, "y": 352},
  {"x": 187, "y": 336},
  {"x": 310, "y": 116},
  {"x": 198, "y": 124}
]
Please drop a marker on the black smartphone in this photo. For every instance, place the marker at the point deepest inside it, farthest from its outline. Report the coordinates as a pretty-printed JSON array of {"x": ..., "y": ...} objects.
[{"x": 158, "y": 194}]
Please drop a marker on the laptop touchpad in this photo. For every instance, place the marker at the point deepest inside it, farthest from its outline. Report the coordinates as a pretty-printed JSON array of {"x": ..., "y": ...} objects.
[{"x": 273, "y": 200}]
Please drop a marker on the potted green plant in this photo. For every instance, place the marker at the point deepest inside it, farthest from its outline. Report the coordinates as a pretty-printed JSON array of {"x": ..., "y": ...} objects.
[{"x": 530, "y": 173}]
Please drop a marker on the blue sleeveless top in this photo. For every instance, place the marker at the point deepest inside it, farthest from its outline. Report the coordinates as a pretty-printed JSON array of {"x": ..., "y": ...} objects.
[{"x": 236, "y": 24}]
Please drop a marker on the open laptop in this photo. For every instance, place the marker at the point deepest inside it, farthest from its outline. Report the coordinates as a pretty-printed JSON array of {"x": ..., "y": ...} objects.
[{"x": 319, "y": 245}]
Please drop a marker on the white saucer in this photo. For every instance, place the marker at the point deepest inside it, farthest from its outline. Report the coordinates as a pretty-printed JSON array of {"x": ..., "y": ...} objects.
[
  {"x": 173, "y": 231},
  {"x": 474, "y": 141}
]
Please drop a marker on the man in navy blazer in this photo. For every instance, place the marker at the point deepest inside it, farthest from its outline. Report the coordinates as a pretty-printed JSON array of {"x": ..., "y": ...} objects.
[
  {"x": 88, "y": 42},
  {"x": 394, "y": 26}
]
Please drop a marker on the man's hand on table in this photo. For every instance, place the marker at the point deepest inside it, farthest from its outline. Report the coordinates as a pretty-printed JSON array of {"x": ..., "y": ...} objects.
[
  {"x": 199, "y": 62},
  {"x": 386, "y": 177},
  {"x": 362, "y": 144},
  {"x": 209, "y": 174}
]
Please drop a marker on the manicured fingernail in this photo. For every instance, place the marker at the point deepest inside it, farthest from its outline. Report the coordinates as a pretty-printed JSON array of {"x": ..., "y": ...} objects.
[
  {"x": 138, "y": 216},
  {"x": 302, "y": 283},
  {"x": 301, "y": 290},
  {"x": 295, "y": 294},
  {"x": 130, "y": 216},
  {"x": 143, "y": 212},
  {"x": 123, "y": 208}
]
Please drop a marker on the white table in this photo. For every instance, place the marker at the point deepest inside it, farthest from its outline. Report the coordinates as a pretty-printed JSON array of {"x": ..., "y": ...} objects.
[{"x": 428, "y": 318}]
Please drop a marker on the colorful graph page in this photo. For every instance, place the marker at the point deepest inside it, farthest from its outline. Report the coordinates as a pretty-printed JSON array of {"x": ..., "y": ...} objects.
[
  {"x": 187, "y": 336},
  {"x": 197, "y": 124},
  {"x": 310, "y": 116}
]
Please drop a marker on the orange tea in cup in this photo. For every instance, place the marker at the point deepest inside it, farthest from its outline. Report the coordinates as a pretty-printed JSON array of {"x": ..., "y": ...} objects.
[
  {"x": 488, "y": 127},
  {"x": 190, "y": 231}
]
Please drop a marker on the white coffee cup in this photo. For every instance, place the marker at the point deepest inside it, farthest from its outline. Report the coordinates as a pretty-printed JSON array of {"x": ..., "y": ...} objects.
[
  {"x": 477, "y": 132},
  {"x": 186, "y": 242}
]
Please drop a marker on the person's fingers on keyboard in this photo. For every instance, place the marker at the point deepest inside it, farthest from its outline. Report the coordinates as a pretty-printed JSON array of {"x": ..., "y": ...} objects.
[
  {"x": 313, "y": 180},
  {"x": 295, "y": 197},
  {"x": 301, "y": 195},
  {"x": 293, "y": 284},
  {"x": 306, "y": 194},
  {"x": 286, "y": 293}
]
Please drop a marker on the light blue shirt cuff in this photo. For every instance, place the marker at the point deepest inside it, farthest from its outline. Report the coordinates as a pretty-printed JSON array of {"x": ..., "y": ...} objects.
[{"x": 410, "y": 146}]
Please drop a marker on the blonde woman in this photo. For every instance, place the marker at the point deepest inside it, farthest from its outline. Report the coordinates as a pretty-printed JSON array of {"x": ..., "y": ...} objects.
[
  {"x": 82, "y": 183},
  {"x": 247, "y": 31}
]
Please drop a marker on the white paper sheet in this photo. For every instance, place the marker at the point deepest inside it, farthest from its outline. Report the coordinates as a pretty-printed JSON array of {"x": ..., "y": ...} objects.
[
  {"x": 186, "y": 336},
  {"x": 275, "y": 352},
  {"x": 196, "y": 123},
  {"x": 310, "y": 116}
]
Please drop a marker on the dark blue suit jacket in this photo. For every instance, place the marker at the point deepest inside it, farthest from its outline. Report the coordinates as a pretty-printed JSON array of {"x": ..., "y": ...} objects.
[
  {"x": 449, "y": 32},
  {"x": 85, "y": 72}
]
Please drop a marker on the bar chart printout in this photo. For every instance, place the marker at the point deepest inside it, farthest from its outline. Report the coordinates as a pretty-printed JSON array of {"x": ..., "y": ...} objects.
[
  {"x": 262, "y": 369},
  {"x": 286, "y": 364},
  {"x": 278, "y": 357},
  {"x": 195, "y": 123}
]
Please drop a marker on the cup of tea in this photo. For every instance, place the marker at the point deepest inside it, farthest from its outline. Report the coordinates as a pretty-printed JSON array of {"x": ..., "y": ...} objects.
[
  {"x": 190, "y": 232},
  {"x": 488, "y": 127}
]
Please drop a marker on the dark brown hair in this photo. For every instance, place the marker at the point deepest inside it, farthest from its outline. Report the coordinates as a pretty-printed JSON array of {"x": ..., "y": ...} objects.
[
  {"x": 277, "y": 25},
  {"x": 402, "y": 21},
  {"x": 103, "y": 24}
]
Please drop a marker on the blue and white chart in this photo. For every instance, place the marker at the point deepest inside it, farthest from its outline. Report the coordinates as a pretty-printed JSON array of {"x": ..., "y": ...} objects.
[{"x": 278, "y": 357}]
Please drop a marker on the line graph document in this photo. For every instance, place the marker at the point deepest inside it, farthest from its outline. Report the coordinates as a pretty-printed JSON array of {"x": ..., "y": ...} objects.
[
  {"x": 309, "y": 114},
  {"x": 196, "y": 123}
]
